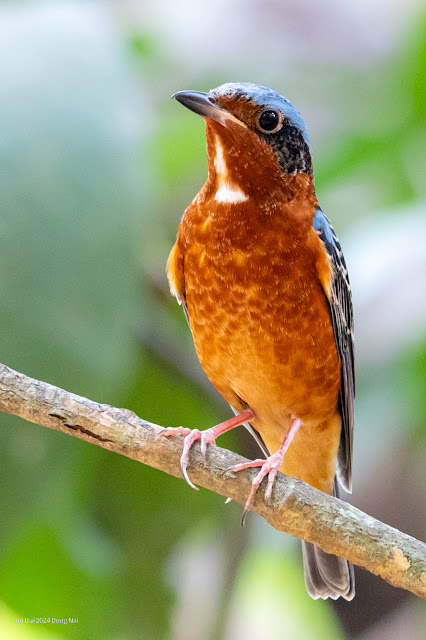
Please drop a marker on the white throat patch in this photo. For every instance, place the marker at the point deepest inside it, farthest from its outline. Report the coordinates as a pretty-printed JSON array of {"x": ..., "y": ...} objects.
[{"x": 226, "y": 191}]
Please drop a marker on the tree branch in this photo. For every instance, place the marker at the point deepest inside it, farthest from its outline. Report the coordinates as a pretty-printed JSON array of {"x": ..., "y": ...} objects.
[{"x": 296, "y": 507}]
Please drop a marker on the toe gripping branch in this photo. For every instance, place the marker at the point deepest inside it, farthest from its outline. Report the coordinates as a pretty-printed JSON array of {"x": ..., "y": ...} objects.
[
  {"x": 204, "y": 437},
  {"x": 269, "y": 466}
]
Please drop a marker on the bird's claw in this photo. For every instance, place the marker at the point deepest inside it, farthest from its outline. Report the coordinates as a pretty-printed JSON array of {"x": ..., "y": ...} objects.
[
  {"x": 243, "y": 517},
  {"x": 186, "y": 476},
  {"x": 269, "y": 467},
  {"x": 191, "y": 435},
  {"x": 228, "y": 472}
]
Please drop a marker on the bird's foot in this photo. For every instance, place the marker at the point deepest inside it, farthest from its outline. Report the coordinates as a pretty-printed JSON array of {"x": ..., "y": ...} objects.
[
  {"x": 269, "y": 467},
  {"x": 204, "y": 437},
  {"x": 191, "y": 435}
]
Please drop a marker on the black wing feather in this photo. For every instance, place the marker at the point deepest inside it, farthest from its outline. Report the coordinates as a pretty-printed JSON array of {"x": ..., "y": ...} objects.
[{"x": 341, "y": 311}]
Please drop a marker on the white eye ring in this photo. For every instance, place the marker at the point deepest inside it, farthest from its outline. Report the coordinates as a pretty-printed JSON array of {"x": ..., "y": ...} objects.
[{"x": 270, "y": 120}]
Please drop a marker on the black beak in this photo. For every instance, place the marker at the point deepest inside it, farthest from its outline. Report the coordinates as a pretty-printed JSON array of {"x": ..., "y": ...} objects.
[{"x": 204, "y": 104}]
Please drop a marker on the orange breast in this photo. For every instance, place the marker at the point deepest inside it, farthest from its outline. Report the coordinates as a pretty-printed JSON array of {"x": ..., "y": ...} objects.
[{"x": 260, "y": 319}]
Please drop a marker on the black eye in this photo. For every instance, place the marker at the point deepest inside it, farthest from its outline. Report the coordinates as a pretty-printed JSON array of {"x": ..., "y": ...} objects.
[{"x": 269, "y": 120}]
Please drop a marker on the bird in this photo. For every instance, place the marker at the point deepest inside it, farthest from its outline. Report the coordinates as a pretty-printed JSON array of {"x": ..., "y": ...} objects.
[{"x": 261, "y": 277}]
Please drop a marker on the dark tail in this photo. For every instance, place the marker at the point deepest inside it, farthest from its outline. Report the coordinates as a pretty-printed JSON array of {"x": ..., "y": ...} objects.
[{"x": 327, "y": 576}]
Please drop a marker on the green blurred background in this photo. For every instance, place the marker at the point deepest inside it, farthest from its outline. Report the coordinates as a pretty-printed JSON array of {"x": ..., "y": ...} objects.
[{"x": 96, "y": 167}]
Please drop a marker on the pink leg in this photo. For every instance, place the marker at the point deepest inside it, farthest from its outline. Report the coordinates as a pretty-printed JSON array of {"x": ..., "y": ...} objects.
[
  {"x": 270, "y": 467},
  {"x": 205, "y": 437}
]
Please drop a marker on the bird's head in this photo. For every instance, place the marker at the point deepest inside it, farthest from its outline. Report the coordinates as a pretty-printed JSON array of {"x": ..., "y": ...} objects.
[{"x": 256, "y": 139}]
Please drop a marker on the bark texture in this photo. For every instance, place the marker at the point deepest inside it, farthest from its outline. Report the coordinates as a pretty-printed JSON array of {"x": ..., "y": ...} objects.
[{"x": 295, "y": 508}]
